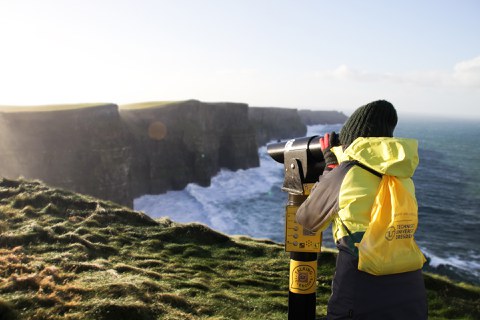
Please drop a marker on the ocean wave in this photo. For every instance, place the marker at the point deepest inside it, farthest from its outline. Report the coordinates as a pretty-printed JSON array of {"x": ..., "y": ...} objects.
[
  {"x": 468, "y": 267},
  {"x": 453, "y": 260},
  {"x": 214, "y": 205}
]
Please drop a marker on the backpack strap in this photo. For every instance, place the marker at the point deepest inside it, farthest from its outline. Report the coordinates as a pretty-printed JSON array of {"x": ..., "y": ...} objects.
[
  {"x": 353, "y": 238},
  {"x": 350, "y": 235},
  {"x": 361, "y": 165}
]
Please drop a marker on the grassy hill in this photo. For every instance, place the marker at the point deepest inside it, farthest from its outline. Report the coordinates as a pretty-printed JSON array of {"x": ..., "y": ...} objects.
[
  {"x": 148, "y": 105},
  {"x": 68, "y": 256},
  {"x": 49, "y": 108}
]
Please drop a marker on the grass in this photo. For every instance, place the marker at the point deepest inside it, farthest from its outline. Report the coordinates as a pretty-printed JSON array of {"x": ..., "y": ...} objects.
[
  {"x": 148, "y": 105},
  {"x": 68, "y": 256},
  {"x": 47, "y": 108}
]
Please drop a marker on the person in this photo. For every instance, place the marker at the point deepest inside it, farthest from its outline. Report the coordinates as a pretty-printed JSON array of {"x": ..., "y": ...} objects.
[{"x": 344, "y": 196}]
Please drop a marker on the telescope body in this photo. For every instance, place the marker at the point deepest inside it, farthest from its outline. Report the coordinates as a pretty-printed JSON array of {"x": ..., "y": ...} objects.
[{"x": 303, "y": 162}]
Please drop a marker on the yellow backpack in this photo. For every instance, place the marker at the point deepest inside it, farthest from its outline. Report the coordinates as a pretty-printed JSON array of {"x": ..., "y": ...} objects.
[{"x": 388, "y": 245}]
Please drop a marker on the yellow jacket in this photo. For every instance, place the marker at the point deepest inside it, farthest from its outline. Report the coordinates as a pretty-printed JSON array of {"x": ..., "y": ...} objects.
[{"x": 348, "y": 191}]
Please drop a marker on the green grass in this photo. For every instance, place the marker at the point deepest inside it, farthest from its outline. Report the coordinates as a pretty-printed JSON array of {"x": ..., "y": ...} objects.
[
  {"x": 47, "y": 108},
  {"x": 148, "y": 105},
  {"x": 68, "y": 256}
]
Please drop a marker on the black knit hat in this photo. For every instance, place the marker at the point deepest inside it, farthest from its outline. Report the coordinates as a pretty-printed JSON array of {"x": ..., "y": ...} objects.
[{"x": 376, "y": 119}]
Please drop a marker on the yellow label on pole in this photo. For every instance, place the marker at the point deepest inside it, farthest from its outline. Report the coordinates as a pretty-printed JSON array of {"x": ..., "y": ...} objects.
[
  {"x": 303, "y": 277},
  {"x": 296, "y": 238},
  {"x": 307, "y": 188}
]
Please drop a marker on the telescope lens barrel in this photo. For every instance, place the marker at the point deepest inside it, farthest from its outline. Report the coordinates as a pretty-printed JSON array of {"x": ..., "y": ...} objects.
[
  {"x": 303, "y": 162},
  {"x": 275, "y": 150},
  {"x": 310, "y": 144}
]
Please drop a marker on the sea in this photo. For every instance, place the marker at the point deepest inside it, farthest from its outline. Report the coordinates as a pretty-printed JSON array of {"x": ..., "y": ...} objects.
[{"x": 447, "y": 180}]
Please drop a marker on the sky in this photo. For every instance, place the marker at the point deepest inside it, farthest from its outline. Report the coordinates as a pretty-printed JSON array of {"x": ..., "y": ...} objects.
[{"x": 423, "y": 56}]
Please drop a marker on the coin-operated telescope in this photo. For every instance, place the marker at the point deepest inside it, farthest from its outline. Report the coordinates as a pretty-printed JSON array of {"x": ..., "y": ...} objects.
[{"x": 304, "y": 163}]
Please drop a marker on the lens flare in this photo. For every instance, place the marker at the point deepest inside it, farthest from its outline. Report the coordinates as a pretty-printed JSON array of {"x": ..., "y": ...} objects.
[{"x": 157, "y": 130}]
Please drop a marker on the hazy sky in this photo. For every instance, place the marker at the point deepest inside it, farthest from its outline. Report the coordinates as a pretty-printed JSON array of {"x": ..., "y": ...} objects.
[{"x": 423, "y": 56}]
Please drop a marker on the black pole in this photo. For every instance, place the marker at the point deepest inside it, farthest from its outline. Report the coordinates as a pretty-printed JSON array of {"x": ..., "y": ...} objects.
[
  {"x": 302, "y": 279},
  {"x": 301, "y": 306}
]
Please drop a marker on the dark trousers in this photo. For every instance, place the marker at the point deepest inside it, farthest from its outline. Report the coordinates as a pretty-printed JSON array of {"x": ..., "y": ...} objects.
[{"x": 360, "y": 295}]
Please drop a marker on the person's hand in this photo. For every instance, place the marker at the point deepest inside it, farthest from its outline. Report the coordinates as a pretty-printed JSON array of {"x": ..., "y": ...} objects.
[{"x": 328, "y": 141}]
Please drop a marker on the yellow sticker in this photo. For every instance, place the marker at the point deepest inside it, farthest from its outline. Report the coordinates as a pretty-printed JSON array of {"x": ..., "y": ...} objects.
[
  {"x": 296, "y": 238},
  {"x": 303, "y": 276},
  {"x": 307, "y": 188}
]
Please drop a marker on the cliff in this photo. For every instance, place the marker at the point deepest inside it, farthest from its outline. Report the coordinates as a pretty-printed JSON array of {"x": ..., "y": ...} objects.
[
  {"x": 121, "y": 153},
  {"x": 68, "y": 256},
  {"x": 84, "y": 148},
  {"x": 181, "y": 142},
  {"x": 311, "y": 117},
  {"x": 149, "y": 149},
  {"x": 276, "y": 124}
]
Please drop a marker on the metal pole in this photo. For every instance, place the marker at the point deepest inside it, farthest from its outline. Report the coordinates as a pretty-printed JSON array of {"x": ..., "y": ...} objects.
[
  {"x": 303, "y": 163},
  {"x": 303, "y": 273}
]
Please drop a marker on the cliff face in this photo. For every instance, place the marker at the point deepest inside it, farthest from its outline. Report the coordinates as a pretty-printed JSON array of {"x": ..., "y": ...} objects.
[
  {"x": 119, "y": 154},
  {"x": 84, "y": 149},
  {"x": 311, "y": 117},
  {"x": 150, "y": 148},
  {"x": 276, "y": 123},
  {"x": 185, "y": 142}
]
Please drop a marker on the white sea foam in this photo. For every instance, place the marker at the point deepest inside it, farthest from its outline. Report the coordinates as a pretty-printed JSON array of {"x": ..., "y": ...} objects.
[
  {"x": 454, "y": 260},
  {"x": 213, "y": 205},
  {"x": 466, "y": 267}
]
